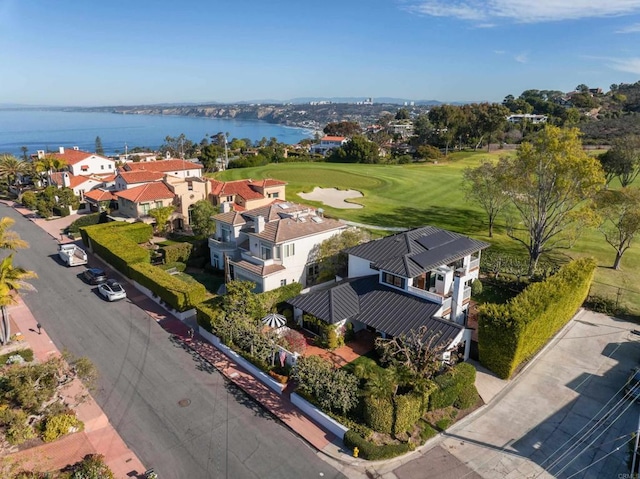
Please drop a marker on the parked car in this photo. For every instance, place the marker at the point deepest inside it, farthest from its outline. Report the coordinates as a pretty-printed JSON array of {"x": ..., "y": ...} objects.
[
  {"x": 632, "y": 389},
  {"x": 112, "y": 290},
  {"x": 95, "y": 275}
]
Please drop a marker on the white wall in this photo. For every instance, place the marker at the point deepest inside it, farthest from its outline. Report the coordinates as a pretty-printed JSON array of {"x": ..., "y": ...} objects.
[
  {"x": 359, "y": 267},
  {"x": 95, "y": 165}
]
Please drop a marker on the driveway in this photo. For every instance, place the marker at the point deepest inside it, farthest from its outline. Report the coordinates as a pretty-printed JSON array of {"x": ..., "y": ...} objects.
[{"x": 564, "y": 416}]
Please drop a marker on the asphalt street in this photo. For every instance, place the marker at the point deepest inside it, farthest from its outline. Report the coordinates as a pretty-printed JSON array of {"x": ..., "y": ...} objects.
[{"x": 179, "y": 416}]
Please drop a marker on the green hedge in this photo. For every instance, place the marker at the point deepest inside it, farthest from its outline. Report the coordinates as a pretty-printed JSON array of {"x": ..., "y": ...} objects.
[
  {"x": 451, "y": 384},
  {"x": 176, "y": 293},
  {"x": 177, "y": 266},
  {"x": 87, "y": 220},
  {"x": 208, "y": 312},
  {"x": 408, "y": 410},
  {"x": 61, "y": 211},
  {"x": 177, "y": 252},
  {"x": 511, "y": 333},
  {"x": 117, "y": 243},
  {"x": 378, "y": 414},
  {"x": 369, "y": 450}
]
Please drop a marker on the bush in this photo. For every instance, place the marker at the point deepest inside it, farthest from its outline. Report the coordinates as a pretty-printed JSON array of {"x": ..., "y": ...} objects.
[
  {"x": 296, "y": 342},
  {"x": 176, "y": 265},
  {"x": 476, "y": 288},
  {"x": 17, "y": 429},
  {"x": 26, "y": 354},
  {"x": 61, "y": 211},
  {"x": 408, "y": 410},
  {"x": 178, "y": 252},
  {"x": 29, "y": 199},
  {"x": 178, "y": 294},
  {"x": 379, "y": 414},
  {"x": 87, "y": 220},
  {"x": 57, "y": 426},
  {"x": 91, "y": 467},
  {"x": 426, "y": 431},
  {"x": 451, "y": 384},
  {"x": 511, "y": 333},
  {"x": 444, "y": 423},
  {"x": 372, "y": 452},
  {"x": 468, "y": 397}
]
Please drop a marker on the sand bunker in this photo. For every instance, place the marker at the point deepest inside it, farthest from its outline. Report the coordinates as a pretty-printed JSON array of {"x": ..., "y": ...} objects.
[{"x": 333, "y": 197}]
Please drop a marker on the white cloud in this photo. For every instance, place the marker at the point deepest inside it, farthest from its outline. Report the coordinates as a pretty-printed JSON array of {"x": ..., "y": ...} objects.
[
  {"x": 522, "y": 57},
  {"x": 523, "y": 11},
  {"x": 635, "y": 28},
  {"x": 628, "y": 65}
]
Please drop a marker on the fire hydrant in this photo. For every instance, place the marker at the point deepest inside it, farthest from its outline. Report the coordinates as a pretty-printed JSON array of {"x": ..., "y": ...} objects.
[{"x": 356, "y": 451}]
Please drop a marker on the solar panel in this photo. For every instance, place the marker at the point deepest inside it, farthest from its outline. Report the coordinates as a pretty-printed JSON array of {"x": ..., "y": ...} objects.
[{"x": 435, "y": 240}]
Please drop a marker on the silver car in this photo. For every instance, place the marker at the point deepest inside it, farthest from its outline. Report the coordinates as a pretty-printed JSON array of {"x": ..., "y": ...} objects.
[{"x": 112, "y": 290}]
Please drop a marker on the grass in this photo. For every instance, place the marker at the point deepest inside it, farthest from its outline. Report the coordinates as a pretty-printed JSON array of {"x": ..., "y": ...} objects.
[
  {"x": 367, "y": 362},
  {"x": 209, "y": 281},
  {"x": 432, "y": 194}
]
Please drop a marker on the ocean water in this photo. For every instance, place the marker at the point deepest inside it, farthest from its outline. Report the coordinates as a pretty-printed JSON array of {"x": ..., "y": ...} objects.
[{"x": 48, "y": 130}]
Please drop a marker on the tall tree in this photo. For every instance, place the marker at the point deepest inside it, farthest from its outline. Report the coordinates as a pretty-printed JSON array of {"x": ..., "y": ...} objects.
[
  {"x": 485, "y": 185},
  {"x": 11, "y": 167},
  {"x": 446, "y": 119},
  {"x": 161, "y": 215},
  {"x": 620, "y": 218},
  {"x": 343, "y": 128},
  {"x": 201, "y": 221},
  {"x": 99, "y": 148},
  {"x": 24, "y": 150},
  {"x": 492, "y": 119},
  {"x": 622, "y": 161},
  {"x": 330, "y": 253},
  {"x": 357, "y": 150},
  {"x": 548, "y": 182}
]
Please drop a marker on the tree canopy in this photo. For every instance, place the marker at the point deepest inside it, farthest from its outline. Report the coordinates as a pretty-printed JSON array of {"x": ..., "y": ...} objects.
[
  {"x": 201, "y": 221},
  {"x": 620, "y": 218}
]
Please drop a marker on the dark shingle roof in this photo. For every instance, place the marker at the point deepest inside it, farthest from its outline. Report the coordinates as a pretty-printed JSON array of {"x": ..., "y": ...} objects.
[
  {"x": 376, "y": 305},
  {"x": 416, "y": 251}
]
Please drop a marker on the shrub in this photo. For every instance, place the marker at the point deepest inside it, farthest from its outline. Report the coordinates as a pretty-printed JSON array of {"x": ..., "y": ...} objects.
[
  {"x": 26, "y": 354},
  {"x": 349, "y": 334},
  {"x": 17, "y": 429},
  {"x": 91, "y": 467},
  {"x": 87, "y": 220},
  {"x": 451, "y": 384},
  {"x": 511, "y": 333},
  {"x": 332, "y": 338},
  {"x": 378, "y": 414},
  {"x": 57, "y": 426},
  {"x": 178, "y": 294},
  {"x": 426, "y": 431},
  {"x": 178, "y": 252},
  {"x": 176, "y": 265},
  {"x": 29, "y": 199},
  {"x": 444, "y": 423},
  {"x": 372, "y": 452},
  {"x": 476, "y": 288},
  {"x": 209, "y": 313},
  {"x": 408, "y": 410},
  {"x": 468, "y": 397},
  {"x": 296, "y": 342},
  {"x": 61, "y": 211}
]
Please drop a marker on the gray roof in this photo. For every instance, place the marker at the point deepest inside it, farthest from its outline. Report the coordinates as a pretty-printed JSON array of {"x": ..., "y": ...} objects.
[
  {"x": 417, "y": 251},
  {"x": 386, "y": 309}
]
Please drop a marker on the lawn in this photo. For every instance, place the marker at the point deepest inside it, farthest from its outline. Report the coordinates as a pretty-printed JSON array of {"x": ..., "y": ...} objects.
[{"x": 432, "y": 194}]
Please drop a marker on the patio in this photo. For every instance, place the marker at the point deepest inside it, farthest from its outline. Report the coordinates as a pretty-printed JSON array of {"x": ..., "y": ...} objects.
[{"x": 363, "y": 343}]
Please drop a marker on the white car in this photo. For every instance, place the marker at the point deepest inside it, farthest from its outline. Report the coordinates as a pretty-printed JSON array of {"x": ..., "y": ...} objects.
[{"x": 112, "y": 290}]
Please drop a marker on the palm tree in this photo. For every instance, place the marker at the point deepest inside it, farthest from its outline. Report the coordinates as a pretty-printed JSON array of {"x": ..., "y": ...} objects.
[
  {"x": 12, "y": 279},
  {"x": 47, "y": 165},
  {"x": 10, "y": 239},
  {"x": 10, "y": 168}
]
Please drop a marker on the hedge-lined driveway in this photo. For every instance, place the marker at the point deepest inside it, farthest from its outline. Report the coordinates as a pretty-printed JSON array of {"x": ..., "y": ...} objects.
[{"x": 546, "y": 423}]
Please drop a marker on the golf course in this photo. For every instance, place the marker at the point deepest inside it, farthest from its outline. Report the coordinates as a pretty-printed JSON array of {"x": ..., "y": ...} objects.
[{"x": 433, "y": 194}]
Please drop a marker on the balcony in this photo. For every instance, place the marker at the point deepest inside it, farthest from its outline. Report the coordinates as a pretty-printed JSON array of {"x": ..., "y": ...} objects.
[
  {"x": 428, "y": 295},
  {"x": 474, "y": 264},
  {"x": 247, "y": 256},
  {"x": 222, "y": 245},
  {"x": 466, "y": 294}
]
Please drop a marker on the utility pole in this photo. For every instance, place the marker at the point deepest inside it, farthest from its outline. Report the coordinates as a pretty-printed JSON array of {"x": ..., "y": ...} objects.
[{"x": 226, "y": 154}]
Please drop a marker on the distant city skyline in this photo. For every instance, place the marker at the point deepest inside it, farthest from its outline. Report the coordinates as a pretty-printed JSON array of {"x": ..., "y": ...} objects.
[{"x": 147, "y": 52}]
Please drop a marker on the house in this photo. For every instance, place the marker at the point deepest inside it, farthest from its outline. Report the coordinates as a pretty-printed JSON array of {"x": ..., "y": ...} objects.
[
  {"x": 135, "y": 203},
  {"x": 80, "y": 184},
  {"x": 247, "y": 194},
  {"x": 82, "y": 162},
  {"x": 130, "y": 179},
  {"x": 172, "y": 167},
  {"x": 521, "y": 118},
  {"x": 329, "y": 143},
  {"x": 272, "y": 245},
  {"x": 100, "y": 199},
  {"x": 421, "y": 277},
  {"x": 187, "y": 191}
]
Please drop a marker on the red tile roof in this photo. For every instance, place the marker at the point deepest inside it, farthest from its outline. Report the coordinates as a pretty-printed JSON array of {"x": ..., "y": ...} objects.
[
  {"x": 141, "y": 176},
  {"x": 73, "y": 179},
  {"x": 148, "y": 192},
  {"x": 164, "y": 166},
  {"x": 231, "y": 188},
  {"x": 333, "y": 138},
  {"x": 71, "y": 157},
  {"x": 100, "y": 195}
]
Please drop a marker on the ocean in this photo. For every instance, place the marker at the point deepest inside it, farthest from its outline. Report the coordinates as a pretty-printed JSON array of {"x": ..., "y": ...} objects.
[{"x": 48, "y": 130}]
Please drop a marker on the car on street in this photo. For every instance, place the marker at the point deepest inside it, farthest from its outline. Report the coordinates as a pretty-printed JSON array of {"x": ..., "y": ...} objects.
[
  {"x": 111, "y": 290},
  {"x": 94, "y": 275},
  {"x": 632, "y": 388}
]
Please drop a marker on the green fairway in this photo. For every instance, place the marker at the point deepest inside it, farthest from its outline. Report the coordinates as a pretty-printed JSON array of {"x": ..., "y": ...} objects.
[{"x": 431, "y": 194}]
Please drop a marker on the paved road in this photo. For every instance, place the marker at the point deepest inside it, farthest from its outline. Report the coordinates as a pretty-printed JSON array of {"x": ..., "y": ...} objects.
[{"x": 178, "y": 416}]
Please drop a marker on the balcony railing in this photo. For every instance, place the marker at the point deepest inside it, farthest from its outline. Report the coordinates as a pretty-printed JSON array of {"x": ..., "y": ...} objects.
[
  {"x": 433, "y": 297},
  {"x": 473, "y": 264},
  {"x": 219, "y": 244},
  {"x": 466, "y": 294}
]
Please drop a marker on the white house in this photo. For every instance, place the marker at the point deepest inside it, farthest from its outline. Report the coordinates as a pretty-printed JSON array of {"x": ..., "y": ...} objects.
[
  {"x": 533, "y": 119},
  {"x": 399, "y": 283},
  {"x": 328, "y": 143},
  {"x": 272, "y": 245},
  {"x": 83, "y": 163},
  {"x": 173, "y": 167}
]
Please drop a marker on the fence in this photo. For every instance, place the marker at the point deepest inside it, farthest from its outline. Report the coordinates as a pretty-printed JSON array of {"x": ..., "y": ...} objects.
[{"x": 614, "y": 299}]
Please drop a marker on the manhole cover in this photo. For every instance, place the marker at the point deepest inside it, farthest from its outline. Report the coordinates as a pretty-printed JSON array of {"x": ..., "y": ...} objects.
[{"x": 184, "y": 402}]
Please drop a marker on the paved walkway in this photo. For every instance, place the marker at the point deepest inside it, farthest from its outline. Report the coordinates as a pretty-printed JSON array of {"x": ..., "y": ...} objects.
[{"x": 98, "y": 437}]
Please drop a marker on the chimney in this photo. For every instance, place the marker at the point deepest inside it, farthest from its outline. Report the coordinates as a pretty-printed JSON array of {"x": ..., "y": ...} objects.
[
  {"x": 259, "y": 224},
  {"x": 76, "y": 148},
  {"x": 40, "y": 154},
  {"x": 225, "y": 207},
  {"x": 66, "y": 180},
  {"x": 61, "y": 150}
]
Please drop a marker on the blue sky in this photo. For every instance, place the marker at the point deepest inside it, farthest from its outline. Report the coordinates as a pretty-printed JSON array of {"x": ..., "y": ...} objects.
[{"x": 79, "y": 52}]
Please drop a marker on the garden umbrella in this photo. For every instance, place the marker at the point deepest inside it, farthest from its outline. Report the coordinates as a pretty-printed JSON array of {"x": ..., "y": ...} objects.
[{"x": 274, "y": 320}]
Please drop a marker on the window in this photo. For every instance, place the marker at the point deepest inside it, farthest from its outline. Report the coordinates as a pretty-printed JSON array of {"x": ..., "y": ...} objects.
[
  {"x": 393, "y": 280},
  {"x": 158, "y": 204},
  {"x": 313, "y": 270},
  {"x": 273, "y": 195},
  {"x": 265, "y": 251},
  {"x": 283, "y": 282},
  {"x": 229, "y": 198},
  {"x": 110, "y": 165},
  {"x": 276, "y": 252},
  {"x": 102, "y": 167},
  {"x": 216, "y": 262},
  {"x": 144, "y": 207},
  {"x": 225, "y": 234},
  {"x": 289, "y": 250},
  {"x": 190, "y": 185}
]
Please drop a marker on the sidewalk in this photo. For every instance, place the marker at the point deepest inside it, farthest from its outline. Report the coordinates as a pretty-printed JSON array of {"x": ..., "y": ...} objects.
[{"x": 98, "y": 437}]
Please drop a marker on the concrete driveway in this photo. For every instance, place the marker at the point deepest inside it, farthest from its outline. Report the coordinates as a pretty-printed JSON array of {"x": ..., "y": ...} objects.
[{"x": 564, "y": 416}]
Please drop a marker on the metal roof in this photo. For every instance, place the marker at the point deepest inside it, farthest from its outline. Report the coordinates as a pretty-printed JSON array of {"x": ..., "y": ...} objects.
[{"x": 388, "y": 310}]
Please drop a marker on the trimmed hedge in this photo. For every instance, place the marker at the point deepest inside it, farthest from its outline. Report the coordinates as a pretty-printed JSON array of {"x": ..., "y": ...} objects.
[
  {"x": 378, "y": 414},
  {"x": 370, "y": 451},
  {"x": 408, "y": 410},
  {"x": 177, "y": 266},
  {"x": 451, "y": 384},
  {"x": 117, "y": 243},
  {"x": 178, "y": 252},
  {"x": 61, "y": 211},
  {"x": 87, "y": 220},
  {"x": 511, "y": 333},
  {"x": 176, "y": 293},
  {"x": 208, "y": 312}
]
